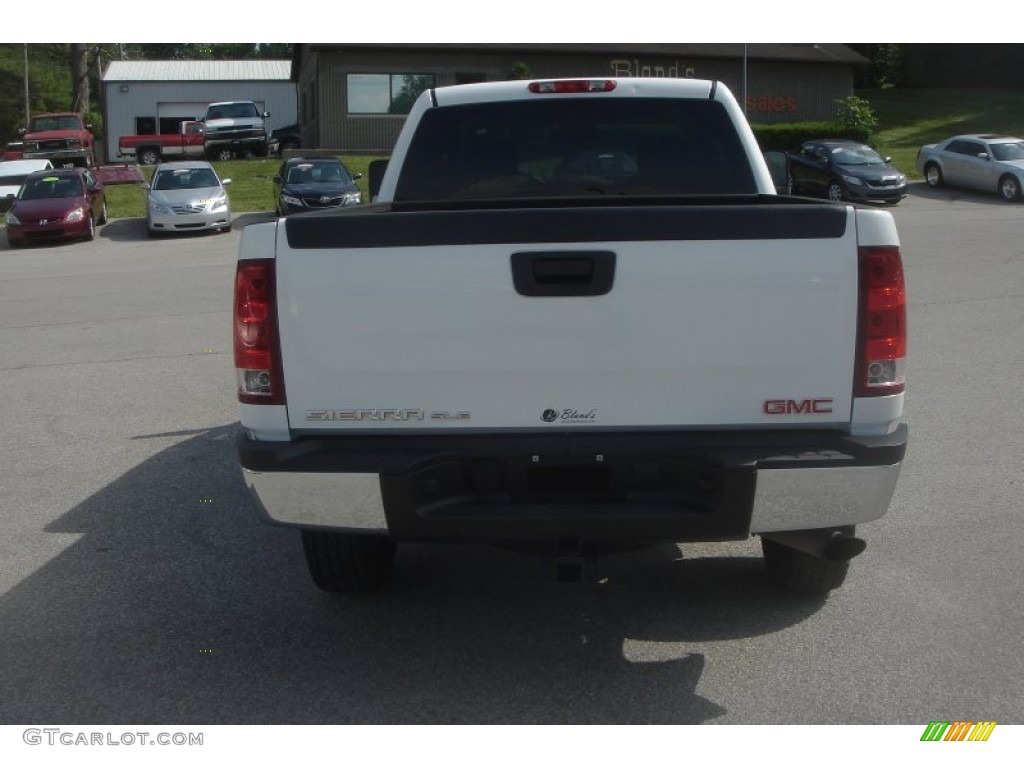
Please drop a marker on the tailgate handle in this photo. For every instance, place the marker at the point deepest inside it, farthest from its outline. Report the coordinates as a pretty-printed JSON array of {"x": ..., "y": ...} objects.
[{"x": 563, "y": 273}]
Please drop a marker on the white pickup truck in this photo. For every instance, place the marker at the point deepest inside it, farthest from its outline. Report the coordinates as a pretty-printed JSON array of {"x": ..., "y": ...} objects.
[{"x": 576, "y": 319}]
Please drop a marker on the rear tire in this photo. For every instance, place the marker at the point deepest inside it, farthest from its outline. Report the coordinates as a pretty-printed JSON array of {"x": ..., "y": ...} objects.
[
  {"x": 348, "y": 563},
  {"x": 800, "y": 573},
  {"x": 223, "y": 154}
]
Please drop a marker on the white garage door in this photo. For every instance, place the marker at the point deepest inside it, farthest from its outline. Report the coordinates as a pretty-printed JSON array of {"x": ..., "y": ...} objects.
[{"x": 181, "y": 109}]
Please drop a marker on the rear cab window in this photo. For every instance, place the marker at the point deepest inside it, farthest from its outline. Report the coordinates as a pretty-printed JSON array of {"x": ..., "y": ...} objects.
[{"x": 575, "y": 148}]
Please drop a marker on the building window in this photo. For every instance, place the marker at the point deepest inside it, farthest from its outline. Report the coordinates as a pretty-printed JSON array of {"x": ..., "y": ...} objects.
[
  {"x": 171, "y": 124},
  {"x": 385, "y": 94},
  {"x": 145, "y": 126}
]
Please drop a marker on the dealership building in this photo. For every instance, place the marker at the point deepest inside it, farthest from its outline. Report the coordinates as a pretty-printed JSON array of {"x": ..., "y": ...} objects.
[
  {"x": 147, "y": 97},
  {"x": 354, "y": 97}
]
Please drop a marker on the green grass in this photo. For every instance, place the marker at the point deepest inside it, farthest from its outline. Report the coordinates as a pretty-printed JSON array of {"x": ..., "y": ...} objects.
[
  {"x": 911, "y": 117},
  {"x": 251, "y": 188}
]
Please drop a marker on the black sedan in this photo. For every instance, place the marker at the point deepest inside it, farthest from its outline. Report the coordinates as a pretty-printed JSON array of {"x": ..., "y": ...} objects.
[
  {"x": 840, "y": 169},
  {"x": 313, "y": 183}
]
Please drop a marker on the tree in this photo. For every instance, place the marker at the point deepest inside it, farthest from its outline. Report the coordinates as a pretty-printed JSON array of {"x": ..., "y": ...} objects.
[
  {"x": 213, "y": 51},
  {"x": 80, "y": 77},
  {"x": 888, "y": 65},
  {"x": 412, "y": 87},
  {"x": 49, "y": 83}
]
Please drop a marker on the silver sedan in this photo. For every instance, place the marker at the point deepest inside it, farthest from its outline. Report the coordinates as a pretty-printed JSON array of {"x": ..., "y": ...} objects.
[
  {"x": 187, "y": 197},
  {"x": 982, "y": 161}
]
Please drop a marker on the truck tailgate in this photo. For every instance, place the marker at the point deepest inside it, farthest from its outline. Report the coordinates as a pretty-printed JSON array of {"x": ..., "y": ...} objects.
[{"x": 712, "y": 315}]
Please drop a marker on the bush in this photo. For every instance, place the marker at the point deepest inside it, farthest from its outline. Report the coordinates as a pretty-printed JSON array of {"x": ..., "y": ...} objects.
[
  {"x": 855, "y": 113},
  {"x": 520, "y": 71}
]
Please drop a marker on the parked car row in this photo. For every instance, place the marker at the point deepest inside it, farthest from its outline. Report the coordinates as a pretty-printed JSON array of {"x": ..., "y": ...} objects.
[
  {"x": 45, "y": 203},
  {"x": 182, "y": 196},
  {"x": 839, "y": 169}
]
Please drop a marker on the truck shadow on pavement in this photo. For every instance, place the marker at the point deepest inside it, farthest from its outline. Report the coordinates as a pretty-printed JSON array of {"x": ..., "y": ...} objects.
[{"x": 176, "y": 605}]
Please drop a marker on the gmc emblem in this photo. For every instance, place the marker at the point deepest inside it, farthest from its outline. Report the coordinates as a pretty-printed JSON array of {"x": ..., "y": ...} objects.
[{"x": 789, "y": 407}]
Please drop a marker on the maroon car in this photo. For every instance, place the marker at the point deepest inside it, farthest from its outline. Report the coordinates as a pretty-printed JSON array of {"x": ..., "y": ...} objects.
[{"x": 66, "y": 203}]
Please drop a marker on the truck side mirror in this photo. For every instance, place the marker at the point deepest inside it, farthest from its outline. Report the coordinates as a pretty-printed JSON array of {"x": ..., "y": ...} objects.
[
  {"x": 778, "y": 166},
  {"x": 377, "y": 168}
]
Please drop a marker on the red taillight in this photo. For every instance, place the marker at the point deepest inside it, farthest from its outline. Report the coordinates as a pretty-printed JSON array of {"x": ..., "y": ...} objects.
[
  {"x": 257, "y": 352},
  {"x": 882, "y": 325},
  {"x": 571, "y": 86}
]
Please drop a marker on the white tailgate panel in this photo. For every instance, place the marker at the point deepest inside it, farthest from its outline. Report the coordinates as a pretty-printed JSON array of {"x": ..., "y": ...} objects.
[{"x": 692, "y": 334}]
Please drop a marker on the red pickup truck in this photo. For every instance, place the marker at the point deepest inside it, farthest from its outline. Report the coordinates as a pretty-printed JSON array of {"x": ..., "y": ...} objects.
[
  {"x": 150, "y": 149},
  {"x": 63, "y": 138}
]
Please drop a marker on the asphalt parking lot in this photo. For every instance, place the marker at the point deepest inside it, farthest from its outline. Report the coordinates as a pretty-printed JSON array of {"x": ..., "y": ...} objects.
[{"x": 137, "y": 586}]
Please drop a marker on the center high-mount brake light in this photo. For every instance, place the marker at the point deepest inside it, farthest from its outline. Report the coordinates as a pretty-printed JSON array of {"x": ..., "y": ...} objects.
[
  {"x": 571, "y": 86},
  {"x": 257, "y": 350},
  {"x": 882, "y": 321}
]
